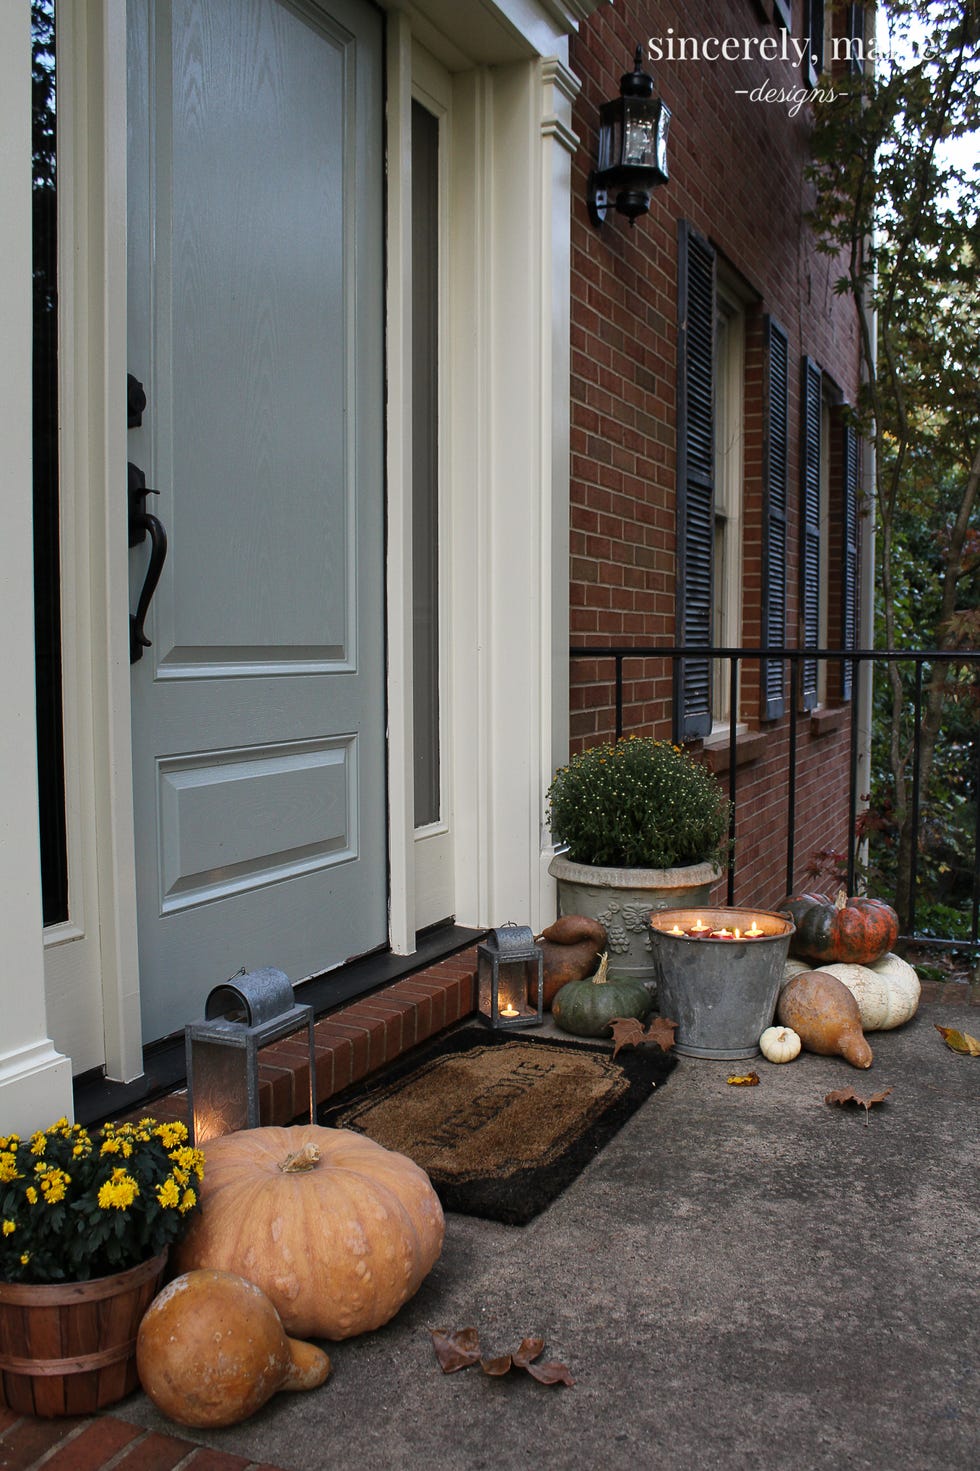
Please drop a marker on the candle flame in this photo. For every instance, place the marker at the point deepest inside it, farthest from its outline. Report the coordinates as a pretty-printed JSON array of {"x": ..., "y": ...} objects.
[
  {"x": 510, "y": 1010},
  {"x": 677, "y": 930},
  {"x": 754, "y": 930},
  {"x": 699, "y": 926},
  {"x": 738, "y": 933}
]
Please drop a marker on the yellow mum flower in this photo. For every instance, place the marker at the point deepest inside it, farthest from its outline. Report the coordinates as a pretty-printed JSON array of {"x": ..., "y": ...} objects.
[
  {"x": 39, "y": 1143},
  {"x": 25, "y": 1257},
  {"x": 188, "y": 1202},
  {"x": 8, "y": 1167},
  {"x": 9, "y": 1227},
  {"x": 168, "y": 1194},
  {"x": 119, "y": 1192},
  {"x": 31, "y": 1194},
  {"x": 110, "y": 1146},
  {"x": 54, "y": 1186},
  {"x": 173, "y": 1134}
]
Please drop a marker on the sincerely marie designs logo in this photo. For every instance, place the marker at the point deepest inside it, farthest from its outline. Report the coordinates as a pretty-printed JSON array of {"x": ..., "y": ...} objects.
[{"x": 783, "y": 47}]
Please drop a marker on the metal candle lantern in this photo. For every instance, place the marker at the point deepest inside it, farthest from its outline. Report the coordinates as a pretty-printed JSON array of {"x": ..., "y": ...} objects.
[
  {"x": 510, "y": 971},
  {"x": 241, "y": 1016}
]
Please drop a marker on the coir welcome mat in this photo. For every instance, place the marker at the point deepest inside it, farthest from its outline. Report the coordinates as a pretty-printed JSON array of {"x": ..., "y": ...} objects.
[{"x": 502, "y": 1124}]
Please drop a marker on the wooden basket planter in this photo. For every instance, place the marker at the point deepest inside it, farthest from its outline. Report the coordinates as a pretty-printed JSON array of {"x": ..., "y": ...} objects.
[{"x": 69, "y": 1348}]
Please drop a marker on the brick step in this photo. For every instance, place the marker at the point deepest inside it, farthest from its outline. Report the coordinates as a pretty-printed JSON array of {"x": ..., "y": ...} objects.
[
  {"x": 91, "y": 1444},
  {"x": 353, "y": 1041}
]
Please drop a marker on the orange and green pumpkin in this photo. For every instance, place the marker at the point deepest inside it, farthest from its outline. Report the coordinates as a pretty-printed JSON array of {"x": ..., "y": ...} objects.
[{"x": 857, "y": 931}]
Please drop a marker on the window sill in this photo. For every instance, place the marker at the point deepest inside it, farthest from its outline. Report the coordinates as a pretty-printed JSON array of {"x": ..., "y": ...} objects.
[
  {"x": 829, "y": 718},
  {"x": 750, "y": 745}
]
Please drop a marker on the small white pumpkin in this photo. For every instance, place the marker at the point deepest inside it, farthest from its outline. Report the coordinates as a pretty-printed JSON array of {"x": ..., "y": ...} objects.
[
  {"x": 887, "y": 992},
  {"x": 779, "y": 1044}
]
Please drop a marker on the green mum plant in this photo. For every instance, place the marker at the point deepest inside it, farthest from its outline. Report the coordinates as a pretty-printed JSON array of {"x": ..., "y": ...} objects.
[
  {"x": 640, "y": 803},
  {"x": 74, "y": 1206}
]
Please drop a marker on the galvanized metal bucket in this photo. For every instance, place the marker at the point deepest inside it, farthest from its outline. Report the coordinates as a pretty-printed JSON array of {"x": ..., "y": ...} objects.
[{"x": 716, "y": 978}]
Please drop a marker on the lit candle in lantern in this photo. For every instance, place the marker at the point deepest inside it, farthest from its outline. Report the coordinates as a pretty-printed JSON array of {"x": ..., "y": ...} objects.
[{"x": 509, "y": 1010}]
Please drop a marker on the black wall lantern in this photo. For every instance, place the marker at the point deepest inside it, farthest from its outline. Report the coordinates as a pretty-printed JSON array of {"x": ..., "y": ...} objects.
[{"x": 632, "y": 148}]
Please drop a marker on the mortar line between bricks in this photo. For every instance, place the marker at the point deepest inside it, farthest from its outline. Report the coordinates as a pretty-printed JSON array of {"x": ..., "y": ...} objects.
[
  {"x": 120, "y": 1455},
  {"x": 60, "y": 1443}
]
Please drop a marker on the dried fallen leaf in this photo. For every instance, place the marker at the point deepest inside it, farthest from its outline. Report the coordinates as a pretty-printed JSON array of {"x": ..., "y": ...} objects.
[
  {"x": 496, "y": 1367},
  {"x": 456, "y": 1350},
  {"x": 744, "y": 1080},
  {"x": 959, "y": 1041},
  {"x": 551, "y": 1373},
  {"x": 848, "y": 1095},
  {"x": 661, "y": 1031},
  {"x": 626, "y": 1032},
  {"x": 461, "y": 1348},
  {"x": 527, "y": 1351}
]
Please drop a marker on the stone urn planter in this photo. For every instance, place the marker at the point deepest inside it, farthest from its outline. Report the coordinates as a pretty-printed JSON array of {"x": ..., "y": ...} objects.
[{"x": 622, "y": 900}]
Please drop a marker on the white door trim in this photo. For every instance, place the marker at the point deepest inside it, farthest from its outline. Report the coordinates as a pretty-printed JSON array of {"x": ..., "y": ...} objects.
[
  {"x": 35, "y": 1078},
  {"x": 91, "y": 963}
]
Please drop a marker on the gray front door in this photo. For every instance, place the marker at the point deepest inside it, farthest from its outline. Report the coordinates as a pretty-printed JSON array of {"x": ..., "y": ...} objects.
[{"x": 255, "y": 301}]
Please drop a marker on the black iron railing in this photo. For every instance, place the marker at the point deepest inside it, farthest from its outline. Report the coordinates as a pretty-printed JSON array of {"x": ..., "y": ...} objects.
[{"x": 859, "y": 715}]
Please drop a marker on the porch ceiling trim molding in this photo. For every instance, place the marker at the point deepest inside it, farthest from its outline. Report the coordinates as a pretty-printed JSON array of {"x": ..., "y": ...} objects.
[{"x": 464, "y": 33}]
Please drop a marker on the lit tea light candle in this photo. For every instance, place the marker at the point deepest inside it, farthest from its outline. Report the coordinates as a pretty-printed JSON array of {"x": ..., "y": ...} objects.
[
  {"x": 698, "y": 928},
  {"x": 722, "y": 935},
  {"x": 753, "y": 932},
  {"x": 677, "y": 930},
  {"x": 509, "y": 1010}
]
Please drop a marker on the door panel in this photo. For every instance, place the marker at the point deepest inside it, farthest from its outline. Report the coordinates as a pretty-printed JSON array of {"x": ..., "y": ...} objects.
[{"x": 255, "y": 310}]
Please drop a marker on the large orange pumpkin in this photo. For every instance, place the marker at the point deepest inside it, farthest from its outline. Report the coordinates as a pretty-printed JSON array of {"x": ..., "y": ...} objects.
[{"x": 336, "y": 1231}]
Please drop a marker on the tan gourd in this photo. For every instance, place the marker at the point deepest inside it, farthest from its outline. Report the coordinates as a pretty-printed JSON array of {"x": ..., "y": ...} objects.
[
  {"x": 211, "y": 1350},
  {"x": 337, "y": 1231},
  {"x": 570, "y": 948},
  {"x": 825, "y": 1016},
  {"x": 779, "y": 1044},
  {"x": 887, "y": 992}
]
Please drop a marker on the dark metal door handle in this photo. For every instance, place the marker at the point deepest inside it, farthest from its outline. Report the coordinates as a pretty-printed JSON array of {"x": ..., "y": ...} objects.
[{"x": 142, "y": 522}]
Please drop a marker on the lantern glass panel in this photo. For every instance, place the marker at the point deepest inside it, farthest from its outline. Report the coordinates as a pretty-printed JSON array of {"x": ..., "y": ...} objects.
[
  {"x": 220, "y": 1090},
  {"x": 641, "y": 141},
  {"x": 610, "y": 136}
]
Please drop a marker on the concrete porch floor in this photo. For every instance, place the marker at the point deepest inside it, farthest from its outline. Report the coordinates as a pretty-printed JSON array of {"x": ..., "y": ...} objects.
[{"x": 743, "y": 1278}]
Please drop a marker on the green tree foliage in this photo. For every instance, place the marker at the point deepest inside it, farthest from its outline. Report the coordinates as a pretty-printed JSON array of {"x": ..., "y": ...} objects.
[{"x": 898, "y": 205}]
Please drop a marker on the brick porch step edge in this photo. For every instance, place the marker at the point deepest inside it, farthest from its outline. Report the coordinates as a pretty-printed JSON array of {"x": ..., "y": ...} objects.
[
  {"x": 354, "y": 1041},
  {"x": 89, "y": 1444}
]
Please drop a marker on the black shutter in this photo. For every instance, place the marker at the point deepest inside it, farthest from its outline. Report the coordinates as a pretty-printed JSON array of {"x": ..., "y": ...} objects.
[
  {"x": 810, "y": 528},
  {"x": 695, "y": 480},
  {"x": 775, "y": 486},
  {"x": 849, "y": 570}
]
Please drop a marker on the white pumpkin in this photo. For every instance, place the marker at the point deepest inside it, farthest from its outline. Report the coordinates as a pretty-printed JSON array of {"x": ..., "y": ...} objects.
[
  {"x": 887, "y": 992},
  {"x": 779, "y": 1044},
  {"x": 794, "y": 967}
]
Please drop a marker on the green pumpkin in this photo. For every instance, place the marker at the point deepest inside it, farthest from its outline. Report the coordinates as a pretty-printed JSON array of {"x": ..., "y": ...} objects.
[{"x": 586, "y": 1008}]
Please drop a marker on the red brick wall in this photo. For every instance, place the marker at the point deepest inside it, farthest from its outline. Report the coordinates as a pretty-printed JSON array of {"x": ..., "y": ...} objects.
[{"x": 736, "y": 174}]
